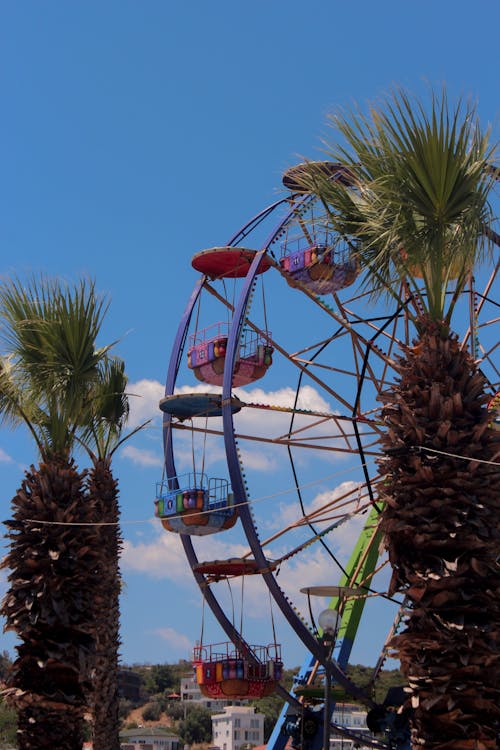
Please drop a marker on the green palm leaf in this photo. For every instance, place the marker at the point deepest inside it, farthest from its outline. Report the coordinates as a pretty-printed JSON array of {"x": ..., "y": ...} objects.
[
  {"x": 418, "y": 204},
  {"x": 108, "y": 407},
  {"x": 50, "y": 330}
]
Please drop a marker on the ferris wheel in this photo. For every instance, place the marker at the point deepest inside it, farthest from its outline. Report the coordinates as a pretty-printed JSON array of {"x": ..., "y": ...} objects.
[{"x": 271, "y": 426}]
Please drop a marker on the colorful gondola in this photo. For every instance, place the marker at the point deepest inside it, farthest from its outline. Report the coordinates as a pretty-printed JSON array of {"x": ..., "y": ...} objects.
[
  {"x": 207, "y": 355},
  {"x": 320, "y": 268},
  {"x": 223, "y": 671},
  {"x": 194, "y": 504}
]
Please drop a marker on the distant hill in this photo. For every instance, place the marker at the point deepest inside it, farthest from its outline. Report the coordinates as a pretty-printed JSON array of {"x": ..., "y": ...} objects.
[{"x": 159, "y": 680}]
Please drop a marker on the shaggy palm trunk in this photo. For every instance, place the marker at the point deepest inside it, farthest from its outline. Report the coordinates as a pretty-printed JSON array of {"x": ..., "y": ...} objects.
[
  {"x": 49, "y": 605},
  {"x": 441, "y": 531},
  {"x": 39, "y": 727},
  {"x": 103, "y": 488}
]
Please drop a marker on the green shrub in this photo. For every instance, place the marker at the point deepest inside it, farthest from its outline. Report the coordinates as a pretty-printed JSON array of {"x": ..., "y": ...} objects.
[
  {"x": 8, "y": 725},
  {"x": 125, "y": 707},
  {"x": 175, "y": 711},
  {"x": 196, "y": 727},
  {"x": 151, "y": 712}
]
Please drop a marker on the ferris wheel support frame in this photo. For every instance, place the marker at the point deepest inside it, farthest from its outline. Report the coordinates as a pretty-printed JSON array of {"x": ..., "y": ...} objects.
[{"x": 359, "y": 571}]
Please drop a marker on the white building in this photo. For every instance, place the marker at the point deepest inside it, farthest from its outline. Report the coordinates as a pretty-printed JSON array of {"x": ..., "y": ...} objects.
[
  {"x": 148, "y": 738},
  {"x": 236, "y": 727},
  {"x": 190, "y": 690},
  {"x": 190, "y": 693},
  {"x": 353, "y": 717}
]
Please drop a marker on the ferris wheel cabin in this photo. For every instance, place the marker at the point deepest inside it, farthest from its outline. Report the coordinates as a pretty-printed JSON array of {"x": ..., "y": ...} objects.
[
  {"x": 207, "y": 355},
  {"x": 321, "y": 268},
  {"x": 228, "y": 262},
  {"x": 194, "y": 504},
  {"x": 313, "y": 256},
  {"x": 224, "y": 671},
  {"x": 207, "y": 347}
]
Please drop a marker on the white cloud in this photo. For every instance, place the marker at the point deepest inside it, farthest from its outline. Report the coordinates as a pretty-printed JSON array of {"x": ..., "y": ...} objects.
[
  {"x": 3, "y": 582},
  {"x": 5, "y": 458},
  {"x": 349, "y": 535},
  {"x": 310, "y": 569},
  {"x": 258, "y": 460},
  {"x": 322, "y": 505},
  {"x": 198, "y": 388},
  {"x": 175, "y": 640},
  {"x": 313, "y": 568},
  {"x": 309, "y": 398},
  {"x": 276, "y": 424},
  {"x": 271, "y": 424},
  {"x": 148, "y": 393},
  {"x": 216, "y": 547},
  {"x": 340, "y": 540},
  {"x": 141, "y": 457},
  {"x": 144, "y": 396},
  {"x": 206, "y": 453},
  {"x": 164, "y": 556}
]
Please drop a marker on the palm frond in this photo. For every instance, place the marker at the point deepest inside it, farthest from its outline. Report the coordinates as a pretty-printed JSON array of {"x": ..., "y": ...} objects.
[
  {"x": 16, "y": 406},
  {"x": 50, "y": 329},
  {"x": 108, "y": 407},
  {"x": 418, "y": 203}
]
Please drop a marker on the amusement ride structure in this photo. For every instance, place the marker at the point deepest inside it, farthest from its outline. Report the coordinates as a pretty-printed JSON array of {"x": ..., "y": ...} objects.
[{"x": 281, "y": 306}]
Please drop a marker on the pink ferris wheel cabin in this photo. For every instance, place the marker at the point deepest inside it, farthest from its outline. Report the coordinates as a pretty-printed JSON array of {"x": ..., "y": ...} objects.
[{"x": 207, "y": 355}]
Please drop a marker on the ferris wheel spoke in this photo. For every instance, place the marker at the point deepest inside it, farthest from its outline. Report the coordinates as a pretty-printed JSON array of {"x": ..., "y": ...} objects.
[
  {"x": 273, "y": 441},
  {"x": 304, "y": 366}
]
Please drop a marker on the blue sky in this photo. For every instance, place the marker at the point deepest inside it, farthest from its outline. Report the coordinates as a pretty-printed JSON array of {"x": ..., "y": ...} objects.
[{"x": 134, "y": 134}]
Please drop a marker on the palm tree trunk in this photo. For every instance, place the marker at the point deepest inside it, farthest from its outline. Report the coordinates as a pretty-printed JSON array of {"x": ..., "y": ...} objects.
[
  {"x": 39, "y": 728},
  {"x": 53, "y": 555},
  {"x": 103, "y": 489},
  {"x": 441, "y": 531}
]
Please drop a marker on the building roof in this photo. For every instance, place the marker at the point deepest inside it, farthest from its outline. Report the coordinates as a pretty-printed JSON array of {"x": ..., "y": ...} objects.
[
  {"x": 147, "y": 732},
  {"x": 233, "y": 711}
]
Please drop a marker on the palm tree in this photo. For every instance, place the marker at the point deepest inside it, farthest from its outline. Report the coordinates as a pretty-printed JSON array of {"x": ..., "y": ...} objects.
[
  {"x": 50, "y": 330},
  {"x": 417, "y": 207},
  {"x": 109, "y": 409}
]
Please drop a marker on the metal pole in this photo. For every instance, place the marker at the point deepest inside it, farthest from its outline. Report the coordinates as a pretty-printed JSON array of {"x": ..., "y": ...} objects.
[{"x": 326, "y": 714}]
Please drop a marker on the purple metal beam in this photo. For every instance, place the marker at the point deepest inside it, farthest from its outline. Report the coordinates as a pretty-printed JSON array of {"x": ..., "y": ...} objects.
[
  {"x": 238, "y": 485},
  {"x": 173, "y": 368}
]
